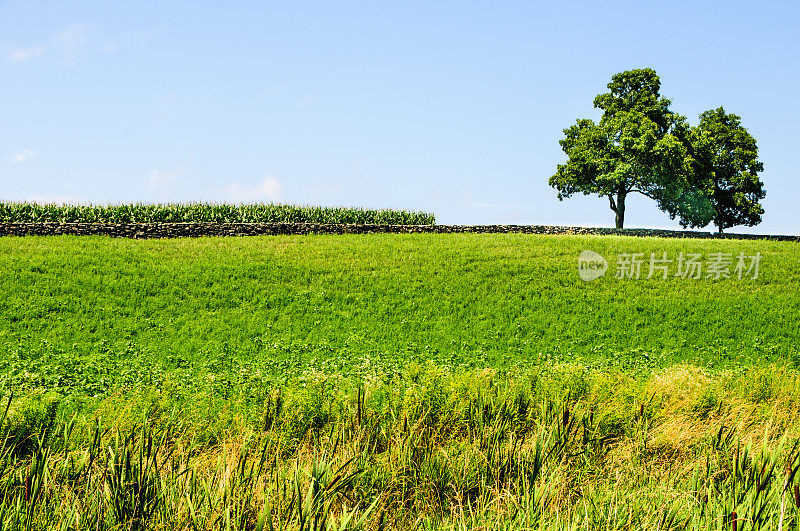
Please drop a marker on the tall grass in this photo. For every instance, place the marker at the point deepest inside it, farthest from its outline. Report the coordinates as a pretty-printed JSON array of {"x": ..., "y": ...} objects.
[
  {"x": 13, "y": 212},
  {"x": 555, "y": 449}
]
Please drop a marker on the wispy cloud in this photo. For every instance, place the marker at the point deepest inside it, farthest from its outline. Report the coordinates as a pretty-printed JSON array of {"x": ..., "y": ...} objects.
[
  {"x": 160, "y": 179},
  {"x": 66, "y": 42},
  {"x": 127, "y": 39},
  {"x": 495, "y": 205},
  {"x": 21, "y": 156},
  {"x": 70, "y": 40},
  {"x": 53, "y": 199},
  {"x": 17, "y": 55},
  {"x": 269, "y": 189}
]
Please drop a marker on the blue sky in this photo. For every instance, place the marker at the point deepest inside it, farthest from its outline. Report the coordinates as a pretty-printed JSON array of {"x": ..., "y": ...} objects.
[{"x": 449, "y": 107}]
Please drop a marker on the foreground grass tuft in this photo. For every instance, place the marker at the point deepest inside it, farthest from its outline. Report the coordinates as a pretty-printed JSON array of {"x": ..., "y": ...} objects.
[{"x": 555, "y": 448}]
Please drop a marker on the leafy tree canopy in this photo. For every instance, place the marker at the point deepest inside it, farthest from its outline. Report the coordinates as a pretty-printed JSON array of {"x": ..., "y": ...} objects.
[
  {"x": 702, "y": 174},
  {"x": 725, "y": 170},
  {"x": 637, "y": 147}
]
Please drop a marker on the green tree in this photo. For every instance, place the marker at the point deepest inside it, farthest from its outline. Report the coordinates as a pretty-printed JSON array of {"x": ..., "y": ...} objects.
[
  {"x": 639, "y": 146},
  {"x": 725, "y": 171}
]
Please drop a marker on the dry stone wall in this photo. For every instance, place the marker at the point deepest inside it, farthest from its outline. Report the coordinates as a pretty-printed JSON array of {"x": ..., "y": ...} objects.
[{"x": 194, "y": 230}]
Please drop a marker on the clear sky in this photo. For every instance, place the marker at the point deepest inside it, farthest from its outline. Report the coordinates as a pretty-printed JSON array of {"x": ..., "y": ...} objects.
[{"x": 450, "y": 107}]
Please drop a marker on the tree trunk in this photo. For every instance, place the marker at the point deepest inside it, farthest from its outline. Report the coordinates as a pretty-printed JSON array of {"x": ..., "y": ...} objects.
[
  {"x": 618, "y": 207},
  {"x": 620, "y": 218}
]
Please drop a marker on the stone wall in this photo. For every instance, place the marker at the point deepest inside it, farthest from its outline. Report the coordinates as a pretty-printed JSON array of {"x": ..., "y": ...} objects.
[{"x": 193, "y": 230}]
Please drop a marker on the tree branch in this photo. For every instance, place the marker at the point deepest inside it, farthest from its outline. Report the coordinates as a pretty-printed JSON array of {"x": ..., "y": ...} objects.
[
  {"x": 646, "y": 194},
  {"x": 612, "y": 204}
]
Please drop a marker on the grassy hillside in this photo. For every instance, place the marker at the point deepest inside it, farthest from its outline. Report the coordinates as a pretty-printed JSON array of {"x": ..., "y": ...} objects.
[
  {"x": 479, "y": 300},
  {"x": 394, "y": 382}
]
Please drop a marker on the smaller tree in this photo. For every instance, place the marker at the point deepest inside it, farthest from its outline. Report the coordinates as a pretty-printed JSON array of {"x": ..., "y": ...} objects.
[{"x": 725, "y": 172}]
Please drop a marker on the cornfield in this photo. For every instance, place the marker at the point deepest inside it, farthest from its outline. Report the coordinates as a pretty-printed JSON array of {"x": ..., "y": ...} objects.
[{"x": 24, "y": 212}]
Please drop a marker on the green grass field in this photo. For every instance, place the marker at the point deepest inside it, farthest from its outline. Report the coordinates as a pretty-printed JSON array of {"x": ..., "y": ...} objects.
[{"x": 458, "y": 381}]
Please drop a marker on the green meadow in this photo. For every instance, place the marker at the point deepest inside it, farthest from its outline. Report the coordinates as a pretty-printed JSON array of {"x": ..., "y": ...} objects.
[{"x": 384, "y": 381}]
